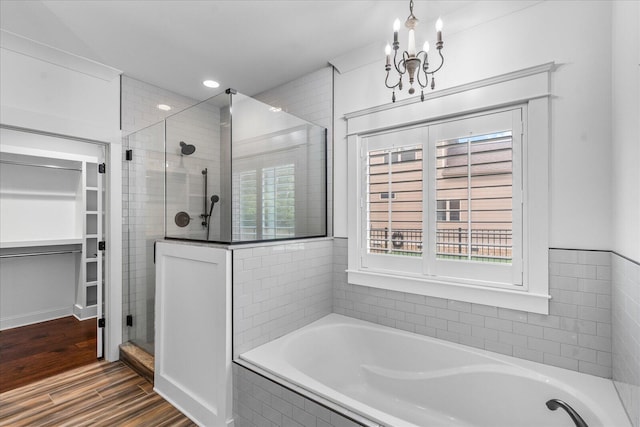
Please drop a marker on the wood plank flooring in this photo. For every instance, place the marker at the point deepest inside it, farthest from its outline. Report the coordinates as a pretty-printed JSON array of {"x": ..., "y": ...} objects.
[
  {"x": 31, "y": 353},
  {"x": 99, "y": 394}
]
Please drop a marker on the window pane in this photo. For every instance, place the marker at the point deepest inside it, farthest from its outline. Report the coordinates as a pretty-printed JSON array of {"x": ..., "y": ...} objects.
[
  {"x": 394, "y": 202},
  {"x": 248, "y": 205},
  {"x": 474, "y": 198},
  {"x": 278, "y": 202}
]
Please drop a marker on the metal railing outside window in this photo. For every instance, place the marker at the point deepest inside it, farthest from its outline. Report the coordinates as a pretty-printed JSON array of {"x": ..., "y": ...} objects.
[{"x": 490, "y": 245}]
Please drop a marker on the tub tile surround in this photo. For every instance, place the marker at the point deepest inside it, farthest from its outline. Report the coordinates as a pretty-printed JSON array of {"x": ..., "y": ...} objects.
[
  {"x": 279, "y": 288},
  {"x": 575, "y": 335},
  {"x": 626, "y": 334},
  {"x": 258, "y": 401}
]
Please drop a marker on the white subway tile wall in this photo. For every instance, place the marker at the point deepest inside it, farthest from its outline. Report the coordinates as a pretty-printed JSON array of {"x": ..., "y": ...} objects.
[
  {"x": 278, "y": 289},
  {"x": 140, "y": 102},
  {"x": 575, "y": 335},
  {"x": 259, "y": 402},
  {"x": 626, "y": 334}
]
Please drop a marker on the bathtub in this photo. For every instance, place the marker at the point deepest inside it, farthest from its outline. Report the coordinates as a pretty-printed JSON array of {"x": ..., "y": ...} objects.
[{"x": 400, "y": 379}]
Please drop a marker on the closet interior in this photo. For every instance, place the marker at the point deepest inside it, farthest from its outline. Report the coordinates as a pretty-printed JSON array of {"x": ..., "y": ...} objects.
[{"x": 51, "y": 228}]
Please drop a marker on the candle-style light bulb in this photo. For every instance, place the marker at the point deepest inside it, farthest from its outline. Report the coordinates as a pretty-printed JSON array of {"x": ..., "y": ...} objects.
[
  {"x": 425, "y": 46},
  {"x": 439, "y": 29},
  {"x": 396, "y": 28},
  {"x": 387, "y": 51}
]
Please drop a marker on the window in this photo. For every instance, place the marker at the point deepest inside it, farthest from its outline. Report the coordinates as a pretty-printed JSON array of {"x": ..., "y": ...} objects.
[
  {"x": 395, "y": 201},
  {"x": 443, "y": 201},
  {"x": 478, "y": 172},
  {"x": 484, "y": 236},
  {"x": 278, "y": 202},
  {"x": 248, "y": 205},
  {"x": 270, "y": 212}
]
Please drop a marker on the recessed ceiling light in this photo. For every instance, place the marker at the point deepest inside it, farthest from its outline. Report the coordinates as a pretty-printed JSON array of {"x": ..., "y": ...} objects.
[
  {"x": 211, "y": 84},
  {"x": 164, "y": 107},
  {"x": 275, "y": 109}
]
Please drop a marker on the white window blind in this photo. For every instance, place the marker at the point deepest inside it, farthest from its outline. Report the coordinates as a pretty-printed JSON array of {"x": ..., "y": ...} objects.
[
  {"x": 440, "y": 200},
  {"x": 248, "y": 205},
  {"x": 278, "y": 202},
  {"x": 474, "y": 178},
  {"x": 394, "y": 201},
  {"x": 266, "y": 203}
]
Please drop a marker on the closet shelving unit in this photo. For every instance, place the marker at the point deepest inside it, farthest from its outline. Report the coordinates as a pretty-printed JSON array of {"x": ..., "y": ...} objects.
[
  {"x": 82, "y": 237},
  {"x": 92, "y": 229}
]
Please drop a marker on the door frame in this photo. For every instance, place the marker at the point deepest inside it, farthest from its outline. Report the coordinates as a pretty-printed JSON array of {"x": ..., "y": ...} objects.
[{"x": 112, "y": 231}]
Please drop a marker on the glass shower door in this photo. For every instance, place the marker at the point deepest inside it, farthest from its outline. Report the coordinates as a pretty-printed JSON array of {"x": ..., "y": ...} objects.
[{"x": 144, "y": 219}]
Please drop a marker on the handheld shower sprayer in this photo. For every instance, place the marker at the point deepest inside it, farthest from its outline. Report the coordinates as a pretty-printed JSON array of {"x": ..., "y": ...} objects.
[{"x": 214, "y": 199}]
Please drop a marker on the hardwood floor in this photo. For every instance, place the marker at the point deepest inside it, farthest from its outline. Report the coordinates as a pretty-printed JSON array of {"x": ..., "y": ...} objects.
[
  {"x": 33, "y": 352},
  {"x": 99, "y": 394}
]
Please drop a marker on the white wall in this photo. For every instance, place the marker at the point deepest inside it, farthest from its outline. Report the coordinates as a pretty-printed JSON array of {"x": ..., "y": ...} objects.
[
  {"x": 573, "y": 34},
  {"x": 35, "y": 293},
  {"x": 626, "y": 129},
  {"x": 56, "y": 92},
  {"x": 39, "y": 204},
  {"x": 626, "y": 205}
]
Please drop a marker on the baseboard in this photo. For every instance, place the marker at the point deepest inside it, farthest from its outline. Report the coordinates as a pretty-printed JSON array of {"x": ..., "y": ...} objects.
[
  {"x": 35, "y": 317},
  {"x": 84, "y": 313}
]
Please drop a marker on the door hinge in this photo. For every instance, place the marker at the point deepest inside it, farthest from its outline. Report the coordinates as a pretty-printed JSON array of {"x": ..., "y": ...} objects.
[
  {"x": 102, "y": 168},
  {"x": 129, "y": 320},
  {"x": 101, "y": 323},
  {"x": 129, "y": 154},
  {"x": 102, "y": 245}
]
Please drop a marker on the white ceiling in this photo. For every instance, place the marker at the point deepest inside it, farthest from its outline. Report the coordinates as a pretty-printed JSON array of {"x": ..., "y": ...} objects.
[{"x": 248, "y": 45}]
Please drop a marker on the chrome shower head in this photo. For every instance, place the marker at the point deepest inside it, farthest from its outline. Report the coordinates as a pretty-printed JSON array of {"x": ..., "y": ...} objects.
[{"x": 187, "y": 149}]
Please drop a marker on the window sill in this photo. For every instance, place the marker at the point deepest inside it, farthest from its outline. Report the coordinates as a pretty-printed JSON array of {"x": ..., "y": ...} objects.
[{"x": 498, "y": 297}]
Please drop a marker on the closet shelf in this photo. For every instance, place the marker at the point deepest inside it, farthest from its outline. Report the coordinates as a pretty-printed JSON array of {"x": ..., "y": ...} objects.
[{"x": 38, "y": 243}]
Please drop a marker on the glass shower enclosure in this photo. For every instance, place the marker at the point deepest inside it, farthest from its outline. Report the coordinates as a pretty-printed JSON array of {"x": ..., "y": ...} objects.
[{"x": 228, "y": 170}]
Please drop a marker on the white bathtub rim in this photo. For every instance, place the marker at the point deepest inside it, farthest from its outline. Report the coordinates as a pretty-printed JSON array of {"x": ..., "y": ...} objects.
[{"x": 553, "y": 375}]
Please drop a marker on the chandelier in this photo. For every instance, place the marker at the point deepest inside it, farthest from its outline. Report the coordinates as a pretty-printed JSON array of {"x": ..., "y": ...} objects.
[{"x": 410, "y": 62}]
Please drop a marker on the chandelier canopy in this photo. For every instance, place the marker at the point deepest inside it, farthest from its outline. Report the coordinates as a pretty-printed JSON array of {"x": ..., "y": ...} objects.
[{"x": 415, "y": 64}]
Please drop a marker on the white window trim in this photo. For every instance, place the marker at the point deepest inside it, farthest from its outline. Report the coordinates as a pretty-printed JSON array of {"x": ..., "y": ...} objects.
[{"x": 529, "y": 87}]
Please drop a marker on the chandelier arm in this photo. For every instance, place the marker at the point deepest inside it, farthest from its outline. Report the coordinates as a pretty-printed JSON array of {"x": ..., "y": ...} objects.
[
  {"x": 421, "y": 70},
  {"x": 441, "y": 64},
  {"x": 386, "y": 82},
  {"x": 400, "y": 63}
]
